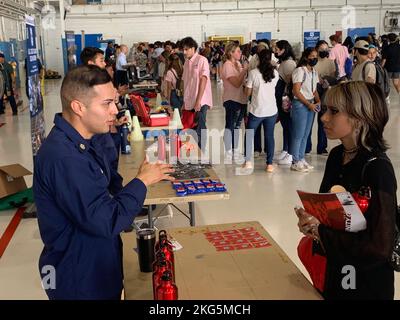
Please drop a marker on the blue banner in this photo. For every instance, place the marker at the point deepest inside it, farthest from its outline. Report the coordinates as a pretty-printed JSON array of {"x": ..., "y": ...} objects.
[
  {"x": 263, "y": 35},
  {"x": 311, "y": 38},
  {"x": 359, "y": 32},
  {"x": 38, "y": 131}
]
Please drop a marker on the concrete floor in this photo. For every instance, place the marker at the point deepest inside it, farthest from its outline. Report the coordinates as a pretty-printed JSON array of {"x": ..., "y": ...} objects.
[{"x": 267, "y": 198}]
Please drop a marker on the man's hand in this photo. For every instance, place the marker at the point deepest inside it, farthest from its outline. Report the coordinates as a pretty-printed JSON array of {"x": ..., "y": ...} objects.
[
  {"x": 123, "y": 89},
  {"x": 197, "y": 106},
  {"x": 152, "y": 173},
  {"x": 121, "y": 121}
]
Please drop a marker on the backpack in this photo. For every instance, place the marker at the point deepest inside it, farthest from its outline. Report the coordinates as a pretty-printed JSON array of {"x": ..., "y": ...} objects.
[
  {"x": 382, "y": 77},
  {"x": 348, "y": 67},
  {"x": 179, "y": 85}
]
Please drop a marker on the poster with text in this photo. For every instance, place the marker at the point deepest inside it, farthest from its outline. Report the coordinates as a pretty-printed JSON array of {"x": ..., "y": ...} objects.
[
  {"x": 71, "y": 49},
  {"x": 38, "y": 133},
  {"x": 311, "y": 38}
]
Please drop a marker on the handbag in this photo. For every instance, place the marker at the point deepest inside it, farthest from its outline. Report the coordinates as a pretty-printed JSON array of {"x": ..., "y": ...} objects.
[
  {"x": 314, "y": 263},
  {"x": 189, "y": 119}
]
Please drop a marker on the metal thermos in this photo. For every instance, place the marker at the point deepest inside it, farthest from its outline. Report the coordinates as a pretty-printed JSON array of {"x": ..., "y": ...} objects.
[
  {"x": 162, "y": 234},
  {"x": 167, "y": 290},
  {"x": 167, "y": 249},
  {"x": 146, "y": 239},
  {"x": 125, "y": 146},
  {"x": 160, "y": 266}
]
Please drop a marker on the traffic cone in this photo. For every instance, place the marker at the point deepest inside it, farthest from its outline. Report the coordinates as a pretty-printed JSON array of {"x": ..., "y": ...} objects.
[
  {"x": 136, "y": 134},
  {"x": 176, "y": 119}
]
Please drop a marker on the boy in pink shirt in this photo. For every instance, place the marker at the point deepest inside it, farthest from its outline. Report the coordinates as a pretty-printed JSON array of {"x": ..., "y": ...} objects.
[
  {"x": 339, "y": 54},
  {"x": 197, "y": 86}
]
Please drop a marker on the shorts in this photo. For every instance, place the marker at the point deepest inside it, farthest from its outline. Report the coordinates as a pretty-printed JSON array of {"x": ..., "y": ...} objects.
[{"x": 394, "y": 75}]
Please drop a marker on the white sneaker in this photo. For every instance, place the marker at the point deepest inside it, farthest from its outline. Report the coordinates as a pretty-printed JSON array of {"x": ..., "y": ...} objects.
[
  {"x": 245, "y": 170},
  {"x": 287, "y": 160},
  {"x": 299, "y": 167},
  {"x": 228, "y": 156},
  {"x": 281, "y": 156},
  {"x": 257, "y": 154},
  {"x": 238, "y": 157},
  {"x": 307, "y": 165}
]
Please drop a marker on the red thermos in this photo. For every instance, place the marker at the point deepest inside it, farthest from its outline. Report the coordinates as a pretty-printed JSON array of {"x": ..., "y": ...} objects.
[
  {"x": 162, "y": 234},
  {"x": 160, "y": 266},
  {"x": 167, "y": 290},
  {"x": 166, "y": 248}
]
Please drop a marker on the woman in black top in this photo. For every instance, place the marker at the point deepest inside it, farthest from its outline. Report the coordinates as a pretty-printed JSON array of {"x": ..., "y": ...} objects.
[{"x": 356, "y": 113}]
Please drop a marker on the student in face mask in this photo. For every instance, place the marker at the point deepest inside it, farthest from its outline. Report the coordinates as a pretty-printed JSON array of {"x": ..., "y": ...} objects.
[
  {"x": 326, "y": 70},
  {"x": 305, "y": 104}
]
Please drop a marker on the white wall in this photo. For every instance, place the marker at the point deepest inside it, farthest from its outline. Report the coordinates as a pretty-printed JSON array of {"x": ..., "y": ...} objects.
[
  {"x": 152, "y": 28},
  {"x": 53, "y": 48}
]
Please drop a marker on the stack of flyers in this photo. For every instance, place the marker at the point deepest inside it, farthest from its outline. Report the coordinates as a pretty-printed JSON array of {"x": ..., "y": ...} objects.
[
  {"x": 229, "y": 240},
  {"x": 198, "y": 186}
]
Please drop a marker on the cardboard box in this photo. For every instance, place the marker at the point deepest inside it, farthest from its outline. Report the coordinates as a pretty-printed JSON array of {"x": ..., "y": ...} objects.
[
  {"x": 12, "y": 179},
  {"x": 238, "y": 272}
]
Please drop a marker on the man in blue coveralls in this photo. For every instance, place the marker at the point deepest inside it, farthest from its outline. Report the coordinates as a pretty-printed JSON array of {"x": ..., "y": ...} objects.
[{"x": 81, "y": 204}]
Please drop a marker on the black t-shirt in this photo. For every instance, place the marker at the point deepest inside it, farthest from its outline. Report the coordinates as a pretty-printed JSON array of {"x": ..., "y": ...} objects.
[
  {"x": 368, "y": 250},
  {"x": 392, "y": 55}
]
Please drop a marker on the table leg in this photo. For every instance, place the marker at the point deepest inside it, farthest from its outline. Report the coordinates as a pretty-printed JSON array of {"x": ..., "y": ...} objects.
[
  {"x": 192, "y": 212},
  {"x": 150, "y": 216}
]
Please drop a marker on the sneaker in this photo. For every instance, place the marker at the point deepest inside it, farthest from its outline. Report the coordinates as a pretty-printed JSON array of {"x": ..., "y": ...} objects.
[
  {"x": 299, "y": 167},
  {"x": 238, "y": 157},
  {"x": 228, "y": 156},
  {"x": 245, "y": 170},
  {"x": 307, "y": 165},
  {"x": 287, "y": 160},
  {"x": 269, "y": 168},
  {"x": 281, "y": 156},
  {"x": 257, "y": 154}
]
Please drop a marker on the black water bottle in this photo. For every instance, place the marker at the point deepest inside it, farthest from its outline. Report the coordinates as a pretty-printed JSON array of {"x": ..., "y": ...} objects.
[{"x": 125, "y": 146}]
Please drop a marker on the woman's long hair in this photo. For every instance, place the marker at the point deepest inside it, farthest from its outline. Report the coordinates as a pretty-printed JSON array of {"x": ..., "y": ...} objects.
[
  {"x": 265, "y": 66},
  {"x": 304, "y": 57},
  {"x": 174, "y": 62},
  {"x": 229, "y": 49},
  {"x": 365, "y": 104},
  {"x": 284, "y": 44}
]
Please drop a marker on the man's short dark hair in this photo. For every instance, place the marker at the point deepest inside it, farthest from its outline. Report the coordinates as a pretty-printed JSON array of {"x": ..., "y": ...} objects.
[
  {"x": 79, "y": 82},
  {"x": 110, "y": 42},
  {"x": 392, "y": 37},
  {"x": 151, "y": 46},
  {"x": 334, "y": 38},
  {"x": 89, "y": 54},
  {"x": 189, "y": 42}
]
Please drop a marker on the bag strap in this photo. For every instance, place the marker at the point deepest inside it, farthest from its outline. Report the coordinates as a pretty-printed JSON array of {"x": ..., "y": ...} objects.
[{"x": 363, "y": 179}]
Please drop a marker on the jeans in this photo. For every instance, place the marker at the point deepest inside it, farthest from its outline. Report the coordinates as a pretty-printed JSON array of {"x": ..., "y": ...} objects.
[
  {"x": 284, "y": 117},
  {"x": 322, "y": 140},
  {"x": 269, "y": 126},
  {"x": 12, "y": 102},
  {"x": 201, "y": 118},
  {"x": 302, "y": 120},
  {"x": 234, "y": 114},
  {"x": 176, "y": 102},
  {"x": 257, "y": 141}
]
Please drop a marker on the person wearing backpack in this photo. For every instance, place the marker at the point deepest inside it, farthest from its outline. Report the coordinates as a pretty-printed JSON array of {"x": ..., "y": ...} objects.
[
  {"x": 174, "y": 83},
  {"x": 364, "y": 70},
  {"x": 356, "y": 114},
  {"x": 305, "y": 104}
]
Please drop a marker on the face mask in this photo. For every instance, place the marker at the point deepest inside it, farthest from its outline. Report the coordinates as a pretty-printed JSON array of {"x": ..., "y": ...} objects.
[
  {"x": 323, "y": 54},
  {"x": 312, "y": 62}
]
